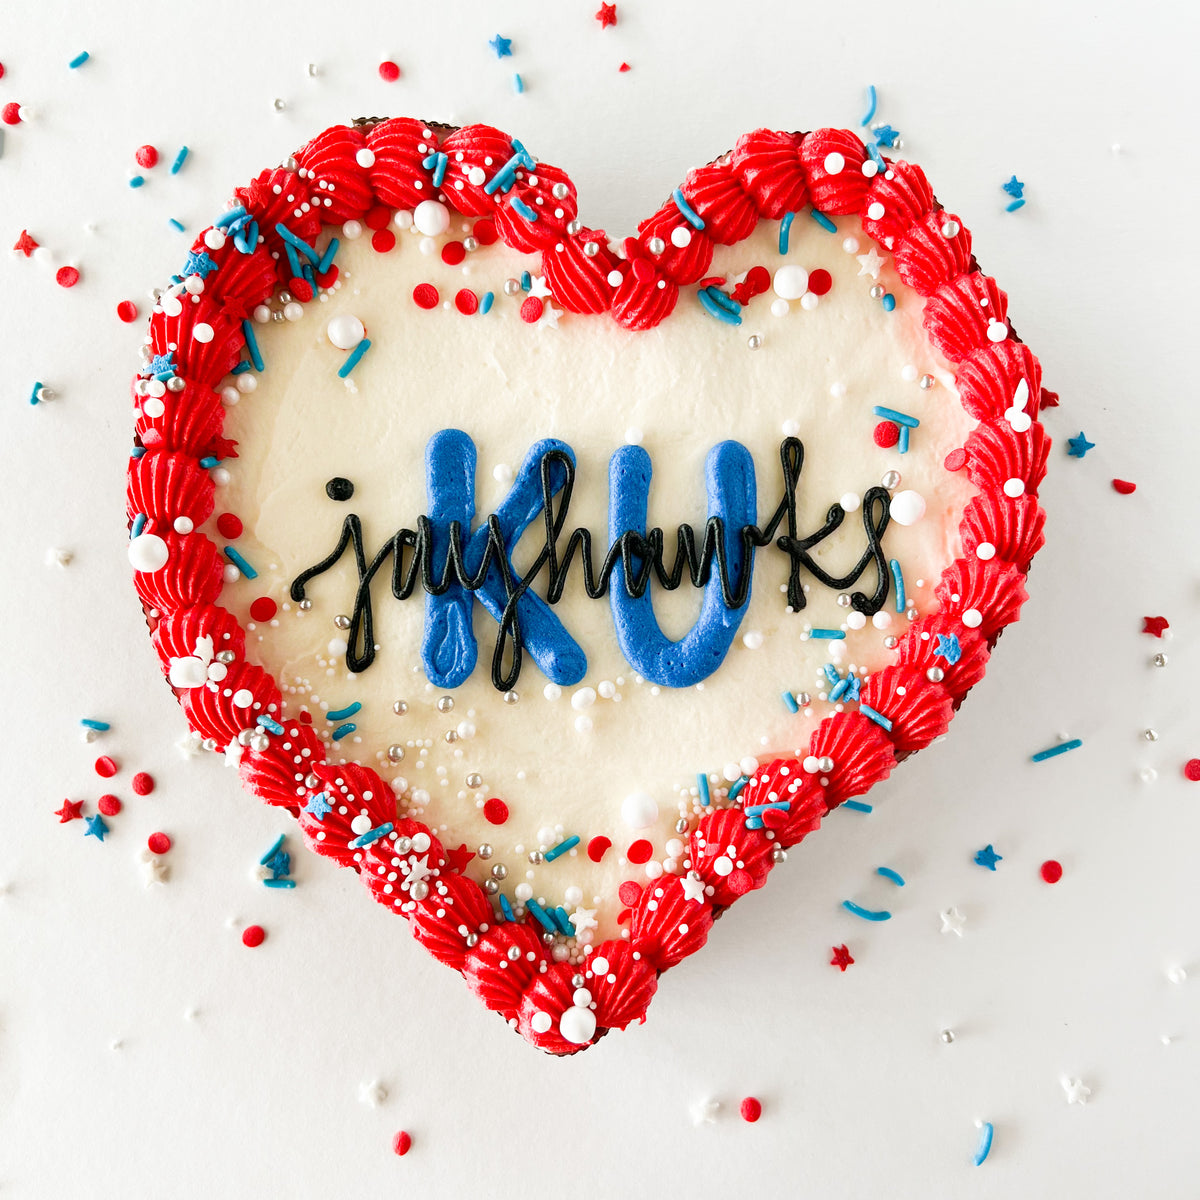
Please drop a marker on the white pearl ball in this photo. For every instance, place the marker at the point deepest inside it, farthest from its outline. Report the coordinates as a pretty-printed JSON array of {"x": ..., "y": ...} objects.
[
  {"x": 791, "y": 282},
  {"x": 639, "y": 810},
  {"x": 577, "y": 1025},
  {"x": 907, "y": 507},
  {"x": 431, "y": 217},
  {"x": 148, "y": 552},
  {"x": 345, "y": 331}
]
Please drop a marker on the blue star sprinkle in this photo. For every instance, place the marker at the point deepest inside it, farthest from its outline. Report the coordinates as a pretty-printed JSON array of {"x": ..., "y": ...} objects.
[
  {"x": 318, "y": 806},
  {"x": 198, "y": 264},
  {"x": 95, "y": 827},
  {"x": 1077, "y": 447},
  {"x": 161, "y": 364},
  {"x": 948, "y": 647},
  {"x": 885, "y": 135},
  {"x": 502, "y": 46},
  {"x": 1014, "y": 187},
  {"x": 987, "y": 857}
]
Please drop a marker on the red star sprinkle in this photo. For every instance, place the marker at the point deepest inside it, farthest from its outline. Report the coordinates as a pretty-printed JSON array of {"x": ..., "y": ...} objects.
[
  {"x": 25, "y": 244},
  {"x": 607, "y": 15},
  {"x": 1155, "y": 625},
  {"x": 458, "y": 859},
  {"x": 71, "y": 810},
  {"x": 841, "y": 958},
  {"x": 1124, "y": 487}
]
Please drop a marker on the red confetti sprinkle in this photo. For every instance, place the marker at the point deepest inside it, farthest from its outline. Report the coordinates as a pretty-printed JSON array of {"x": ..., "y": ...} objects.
[
  {"x": 624, "y": 915},
  {"x": 383, "y": 240},
  {"x": 751, "y": 1109},
  {"x": 127, "y": 311},
  {"x": 159, "y": 843},
  {"x": 10, "y": 114},
  {"x": 740, "y": 882},
  {"x": 457, "y": 860},
  {"x": 25, "y": 244},
  {"x": 263, "y": 609},
  {"x": 1124, "y": 487},
  {"x": 66, "y": 276},
  {"x": 1, "y": 70},
  {"x": 887, "y": 434},
  {"x": 819, "y": 281},
  {"x": 495, "y": 811},
  {"x": 598, "y": 847},
  {"x": 425, "y": 295},
  {"x": 629, "y": 893},
  {"x": 466, "y": 302},
  {"x": 147, "y": 156},
  {"x": 1155, "y": 625},
  {"x": 253, "y": 935},
  {"x": 1191, "y": 770},
  {"x": 956, "y": 460},
  {"x": 607, "y": 15},
  {"x": 71, "y": 810},
  {"x": 402, "y": 1143},
  {"x": 841, "y": 957},
  {"x": 484, "y": 231},
  {"x": 329, "y": 278},
  {"x": 106, "y": 767},
  {"x": 623, "y": 67},
  {"x": 757, "y": 281},
  {"x": 1051, "y": 870},
  {"x": 301, "y": 289},
  {"x": 109, "y": 805},
  {"x": 229, "y": 526},
  {"x": 142, "y": 783},
  {"x": 378, "y": 217},
  {"x": 453, "y": 253},
  {"x": 640, "y": 851},
  {"x": 305, "y": 717},
  {"x": 532, "y": 309},
  {"x": 711, "y": 281},
  {"x": 388, "y": 71}
]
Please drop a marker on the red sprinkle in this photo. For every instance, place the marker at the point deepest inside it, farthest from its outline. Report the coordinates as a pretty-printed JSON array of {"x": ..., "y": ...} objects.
[
  {"x": 229, "y": 525},
  {"x": 598, "y": 847},
  {"x": 1, "y": 70},
  {"x": 425, "y": 295},
  {"x": 607, "y": 15},
  {"x": 301, "y": 289},
  {"x": 66, "y": 276},
  {"x": 630, "y": 893},
  {"x": 329, "y": 278},
  {"x": 887, "y": 434},
  {"x": 1124, "y": 487},
  {"x": 10, "y": 114},
  {"x": 1191, "y": 770},
  {"x": 147, "y": 156},
  {"x": 383, "y": 240},
  {"x": 109, "y": 805},
  {"x": 751, "y": 1109},
  {"x": 106, "y": 767},
  {"x": 127, "y": 311},
  {"x": 956, "y": 460},
  {"x": 159, "y": 843},
  {"x": 388, "y": 71},
  {"x": 453, "y": 253},
  {"x": 466, "y": 302},
  {"x": 263, "y": 609},
  {"x": 378, "y": 217},
  {"x": 623, "y": 67},
  {"x": 402, "y": 1143},
  {"x": 305, "y": 717},
  {"x": 484, "y": 231},
  {"x": 640, "y": 851},
  {"x": 253, "y": 935},
  {"x": 532, "y": 309},
  {"x": 495, "y": 811},
  {"x": 1051, "y": 870},
  {"x": 819, "y": 281},
  {"x": 142, "y": 783}
]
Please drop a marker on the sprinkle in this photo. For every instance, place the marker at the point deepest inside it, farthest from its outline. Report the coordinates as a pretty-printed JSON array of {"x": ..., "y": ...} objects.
[
  {"x": 902, "y": 440},
  {"x": 136, "y": 181},
  {"x": 751, "y": 1109},
  {"x": 79, "y": 59},
  {"x": 985, "y": 1143},
  {"x": 1055, "y": 751},
  {"x": 239, "y": 562},
  {"x": 502, "y": 46},
  {"x": 127, "y": 311},
  {"x": 402, "y": 1143},
  {"x": 177, "y": 224},
  {"x": 736, "y": 789},
  {"x": 885, "y": 135},
  {"x": 785, "y": 230},
  {"x": 858, "y": 806},
  {"x": 867, "y": 914},
  {"x": 715, "y": 309},
  {"x": 839, "y": 689},
  {"x": 789, "y": 702},
  {"x": 485, "y": 305},
  {"x": 987, "y": 857},
  {"x": 526, "y": 281},
  {"x": 888, "y": 302},
  {"x": 948, "y": 648},
  {"x": 689, "y": 214},
  {"x": 898, "y": 580},
  {"x": 822, "y": 220},
  {"x": 281, "y": 882},
  {"x": 877, "y": 717},
  {"x": 541, "y": 916},
  {"x": 506, "y": 908},
  {"x": 269, "y": 724},
  {"x": 343, "y": 730},
  {"x": 327, "y": 258},
  {"x": 562, "y": 848},
  {"x": 66, "y": 276},
  {"x": 252, "y": 345},
  {"x": 372, "y": 835},
  {"x": 142, "y": 783},
  {"x": 1191, "y": 770},
  {"x": 1014, "y": 206},
  {"x": 389, "y": 72},
  {"x": 318, "y": 805},
  {"x": 270, "y": 854},
  {"x": 1014, "y": 187},
  {"x": 353, "y": 358},
  {"x": 109, "y": 805},
  {"x": 98, "y": 726},
  {"x": 180, "y": 159},
  {"x": 892, "y": 415},
  {"x": 872, "y": 104},
  {"x": 702, "y": 788},
  {"x": 518, "y": 85},
  {"x": 36, "y": 395},
  {"x": 1124, "y": 487},
  {"x": 757, "y": 810},
  {"x": 841, "y": 957},
  {"x": 253, "y": 935},
  {"x": 522, "y": 209},
  {"x": 106, "y": 766},
  {"x": 299, "y": 243},
  {"x": 888, "y": 873},
  {"x": 1051, "y": 870},
  {"x": 828, "y": 635},
  {"x": 158, "y": 843},
  {"x": 342, "y": 713},
  {"x": 209, "y": 462},
  {"x": 607, "y": 15},
  {"x": 831, "y": 674},
  {"x": 561, "y": 918},
  {"x": 95, "y": 827},
  {"x": 1077, "y": 447}
]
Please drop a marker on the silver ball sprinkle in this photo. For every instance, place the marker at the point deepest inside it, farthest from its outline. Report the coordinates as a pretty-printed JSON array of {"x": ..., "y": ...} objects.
[
  {"x": 492, "y": 887},
  {"x": 513, "y": 954},
  {"x": 499, "y": 871},
  {"x": 754, "y": 341},
  {"x": 285, "y": 297},
  {"x": 656, "y": 245},
  {"x": 950, "y": 228},
  {"x": 474, "y": 780},
  {"x": 911, "y": 614},
  {"x": 1159, "y": 660},
  {"x": 891, "y": 641},
  {"x": 395, "y": 752},
  {"x": 560, "y": 191},
  {"x": 259, "y": 742},
  {"x": 577, "y": 981},
  {"x": 926, "y": 382},
  {"x": 312, "y": 780},
  {"x": 209, "y": 744},
  {"x": 403, "y": 845},
  {"x": 225, "y": 657},
  {"x": 935, "y": 674},
  {"x": 175, "y": 384},
  {"x": 535, "y": 857},
  {"x": 1151, "y": 735},
  {"x": 400, "y": 707},
  {"x": 276, "y": 315},
  {"x": 511, "y": 697},
  {"x": 278, "y": 104},
  {"x": 289, "y": 163},
  {"x": 573, "y": 227},
  {"x": 452, "y": 735},
  {"x": 304, "y": 605},
  {"x": 484, "y": 851},
  {"x": 947, "y": 1036},
  {"x": 244, "y": 737},
  {"x": 342, "y": 621},
  {"x": 512, "y": 287},
  {"x": 472, "y": 940},
  {"x": 591, "y": 249},
  {"x": 445, "y": 704},
  {"x": 877, "y": 292},
  {"x": 548, "y": 938},
  {"x": 843, "y": 600},
  {"x": 470, "y": 244},
  {"x": 779, "y": 855},
  {"x": 891, "y": 480},
  {"x": 825, "y": 764},
  {"x": 682, "y": 825},
  {"x": 803, "y": 699},
  {"x": 419, "y": 890}
]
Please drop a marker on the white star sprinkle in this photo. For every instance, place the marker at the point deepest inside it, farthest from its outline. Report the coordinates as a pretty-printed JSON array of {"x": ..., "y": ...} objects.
[
  {"x": 550, "y": 316},
  {"x": 156, "y": 869},
  {"x": 869, "y": 263},
  {"x": 190, "y": 745},
  {"x": 704, "y": 1111},
  {"x": 538, "y": 287},
  {"x": 58, "y": 557},
  {"x": 953, "y": 922},
  {"x": 372, "y": 1094},
  {"x": 1077, "y": 1091},
  {"x": 583, "y": 919},
  {"x": 693, "y": 887},
  {"x": 233, "y": 753},
  {"x": 418, "y": 869}
]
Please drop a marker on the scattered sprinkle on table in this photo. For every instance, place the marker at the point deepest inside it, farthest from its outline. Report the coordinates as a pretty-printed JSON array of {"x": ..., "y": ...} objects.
[
  {"x": 1077, "y": 447},
  {"x": 402, "y": 1143},
  {"x": 253, "y": 935},
  {"x": 1055, "y": 751},
  {"x": 127, "y": 311},
  {"x": 71, "y": 810},
  {"x": 1155, "y": 626},
  {"x": 607, "y": 15},
  {"x": 25, "y": 244},
  {"x": 95, "y": 827},
  {"x": 987, "y": 857},
  {"x": 109, "y": 805},
  {"x": 142, "y": 783},
  {"x": 146, "y": 156},
  {"x": 66, "y": 277},
  {"x": 751, "y": 1109},
  {"x": 841, "y": 958},
  {"x": 502, "y": 46},
  {"x": 1191, "y": 770},
  {"x": 985, "y": 1142},
  {"x": 1124, "y": 487},
  {"x": 389, "y": 72},
  {"x": 158, "y": 843},
  {"x": 106, "y": 766},
  {"x": 1051, "y": 870}
]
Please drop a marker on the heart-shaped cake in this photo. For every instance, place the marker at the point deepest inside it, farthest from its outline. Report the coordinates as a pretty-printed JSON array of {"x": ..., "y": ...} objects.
[{"x": 558, "y": 585}]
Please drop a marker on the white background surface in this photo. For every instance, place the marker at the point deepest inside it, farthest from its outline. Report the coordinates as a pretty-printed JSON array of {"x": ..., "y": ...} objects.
[{"x": 257, "y": 1091}]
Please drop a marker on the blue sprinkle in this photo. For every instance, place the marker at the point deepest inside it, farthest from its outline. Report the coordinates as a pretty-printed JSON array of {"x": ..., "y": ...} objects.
[
  {"x": 755, "y": 823},
  {"x": 717, "y": 310},
  {"x": 293, "y": 261},
  {"x": 518, "y": 84},
  {"x": 702, "y": 788},
  {"x": 485, "y": 305},
  {"x": 790, "y": 702},
  {"x": 96, "y": 827},
  {"x": 540, "y": 915},
  {"x": 36, "y": 395},
  {"x": 522, "y": 156},
  {"x": 353, "y": 360},
  {"x": 985, "y": 1143},
  {"x": 867, "y": 914},
  {"x": 526, "y": 281},
  {"x": 839, "y": 690},
  {"x": 563, "y": 920},
  {"x": 785, "y": 230},
  {"x": 757, "y": 810},
  {"x": 902, "y": 440},
  {"x": 1014, "y": 187},
  {"x": 180, "y": 158},
  {"x": 853, "y": 687},
  {"x": 239, "y": 562},
  {"x": 877, "y": 717},
  {"x": 872, "y": 102},
  {"x": 439, "y": 170},
  {"x": 137, "y": 452},
  {"x": 831, "y": 674},
  {"x": 270, "y": 854},
  {"x": 562, "y": 848},
  {"x": 226, "y": 218},
  {"x": 522, "y": 209},
  {"x": 269, "y": 724},
  {"x": 822, "y": 220},
  {"x": 279, "y": 883},
  {"x": 98, "y": 726},
  {"x": 1014, "y": 206},
  {"x": 828, "y": 635},
  {"x": 726, "y": 301},
  {"x": 177, "y": 224},
  {"x": 736, "y": 790},
  {"x": 136, "y": 181},
  {"x": 139, "y": 523},
  {"x": 209, "y": 462},
  {"x": 299, "y": 243},
  {"x": 888, "y": 873},
  {"x": 506, "y": 908},
  {"x": 246, "y": 239},
  {"x": 888, "y": 302},
  {"x": 898, "y": 580},
  {"x": 240, "y": 368},
  {"x": 342, "y": 713},
  {"x": 327, "y": 258},
  {"x": 892, "y": 414},
  {"x": 948, "y": 648},
  {"x": 1055, "y": 751},
  {"x": 876, "y": 157},
  {"x": 318, "y": 805},
  {"x": 372, "y": 836},
  {"x": 344, "y": 730},
  {"x": 885, "y": 135},
  {"x": 252, "y": 345},
  {"x": 79, "y": 59},
  {"x": 858, "y": 806},
  {"x": 689, "y": 214}
]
